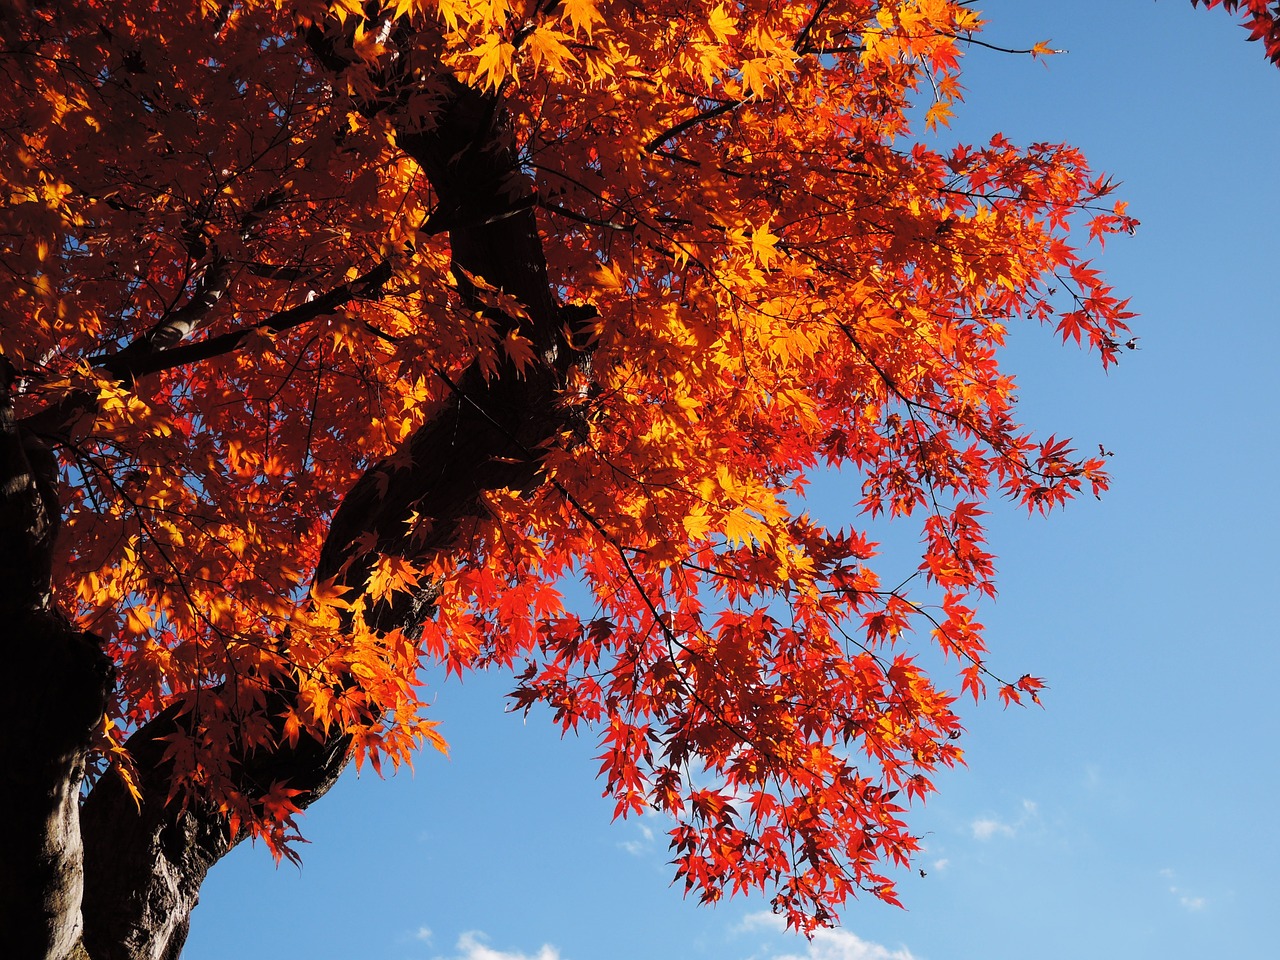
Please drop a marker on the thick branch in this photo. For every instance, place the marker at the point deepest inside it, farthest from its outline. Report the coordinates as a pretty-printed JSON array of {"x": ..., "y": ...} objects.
[
  {"x": 145, "y": 356},
  {"x": 144, "y": 866},
  {"x": 480, "y": 444},
  {"x": 177, "y": 325},
  {"x": 130, "y": 364}
]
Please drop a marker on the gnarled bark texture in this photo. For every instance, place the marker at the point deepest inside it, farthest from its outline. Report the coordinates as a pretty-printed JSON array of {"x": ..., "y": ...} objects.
[{"x": 59, "y": 684}]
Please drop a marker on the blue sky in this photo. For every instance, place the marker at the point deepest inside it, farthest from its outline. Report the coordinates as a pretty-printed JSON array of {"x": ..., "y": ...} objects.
[{"x": 1134, "y": 816}]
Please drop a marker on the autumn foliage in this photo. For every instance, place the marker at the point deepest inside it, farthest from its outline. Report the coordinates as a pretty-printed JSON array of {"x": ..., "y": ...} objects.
[
  {"x": 362, "y": 332},
  {"x": 1261, "y": 18}
]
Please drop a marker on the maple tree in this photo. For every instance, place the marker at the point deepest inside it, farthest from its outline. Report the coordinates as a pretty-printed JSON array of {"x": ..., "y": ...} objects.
[{"x": 338, "y": 337}]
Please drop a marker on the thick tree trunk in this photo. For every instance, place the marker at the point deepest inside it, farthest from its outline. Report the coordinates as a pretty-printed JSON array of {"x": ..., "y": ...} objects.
[
  {"x": 59, "y": 681},
  {"x": 58, "y": 684},
  {"x": 141, "y": 869}
]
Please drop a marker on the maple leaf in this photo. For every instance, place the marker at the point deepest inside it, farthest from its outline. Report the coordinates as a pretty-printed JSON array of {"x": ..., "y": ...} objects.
[
  {"x": 493, "y": 61},
  {"x": 582, "y": 15},
  {"x": 722, "y": 23},
  {"x": 548, "y": 50}
]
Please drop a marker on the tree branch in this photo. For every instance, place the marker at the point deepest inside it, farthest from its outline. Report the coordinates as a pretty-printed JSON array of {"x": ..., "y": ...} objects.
[
  {"x": 132, "y": 364},
  {"x": 691, "y": 122},
  {"x": 142, "y": 358}
]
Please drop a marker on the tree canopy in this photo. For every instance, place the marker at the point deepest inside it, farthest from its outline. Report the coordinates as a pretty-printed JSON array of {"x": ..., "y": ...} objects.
[{"x": 341, "y": 339}]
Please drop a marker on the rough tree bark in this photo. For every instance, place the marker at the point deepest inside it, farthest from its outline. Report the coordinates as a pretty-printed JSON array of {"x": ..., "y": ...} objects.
[
  {"x": 127, "y": 892},
  {"x": 60, "y": 681}
]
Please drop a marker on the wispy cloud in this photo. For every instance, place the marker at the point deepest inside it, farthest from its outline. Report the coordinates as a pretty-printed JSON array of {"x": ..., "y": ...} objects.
[
  {"x": 1185, "y": 900},
  {"x": 421, "y": 934},
  {"x": 984, "y": 828},
  {"x": 1188, "y": 902},
  {"x": 828, "y": 944},
  {"x": 473, "y": 945},
  {"x": 641, "y": 846}
]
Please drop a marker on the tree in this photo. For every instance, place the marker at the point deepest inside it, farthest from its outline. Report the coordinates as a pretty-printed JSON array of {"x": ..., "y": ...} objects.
[{"x": 338, "y": 337}]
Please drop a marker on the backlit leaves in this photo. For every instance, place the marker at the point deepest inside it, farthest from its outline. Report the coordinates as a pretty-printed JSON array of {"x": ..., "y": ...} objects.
[{"x": 771, "y": 277}]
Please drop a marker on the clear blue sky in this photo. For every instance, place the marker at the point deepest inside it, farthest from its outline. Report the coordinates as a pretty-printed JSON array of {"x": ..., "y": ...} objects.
[{"x": 1135, "y": 815}]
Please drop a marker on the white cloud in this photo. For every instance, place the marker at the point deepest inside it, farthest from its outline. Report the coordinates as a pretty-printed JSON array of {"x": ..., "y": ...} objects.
[
  {"x": 984, "y": 828},
  {"x": 1185, "y": 900},
  {"x": 420, "y": 934},
  {"x": 828, "y": 944},
  {"x": 473, "y": 945},
  {"x": 642, "y": 846},
  {"x": 941, "y": 864}
]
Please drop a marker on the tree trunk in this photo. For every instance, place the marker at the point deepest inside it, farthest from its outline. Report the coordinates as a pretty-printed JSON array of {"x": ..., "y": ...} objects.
[{"x": 59, "y": 681}]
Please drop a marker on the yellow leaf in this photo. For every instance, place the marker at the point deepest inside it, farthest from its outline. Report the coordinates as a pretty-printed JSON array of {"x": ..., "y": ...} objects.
[
  {"x": 609, "y": 276},
  {"x": 741, "y": 528},
  {"x": 697, "y": 523},
  {"x": 938, "y": 115},
  {"x": 546, "y": 47},
  {"x": 581, "y": 14},
  {"x": 390, "y": 575},
  {"x": 763, "y": 245},
  {"x": 138, "y": 619},
  {"x": 366, "y": 45},
  {"x": 493, "y": 62},
  {"x": 330, "y": 594},
  {"x": 722, "y": 23},
  {"x": 363, "y": 671},
  {"x": 427, "y": 731},
  {"x": 755, "y": 77}
]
